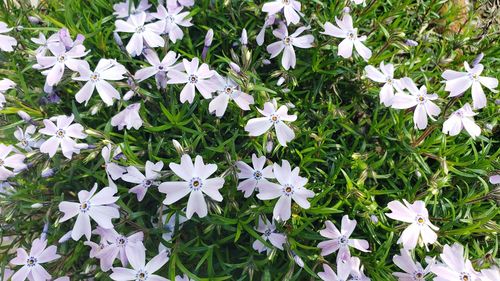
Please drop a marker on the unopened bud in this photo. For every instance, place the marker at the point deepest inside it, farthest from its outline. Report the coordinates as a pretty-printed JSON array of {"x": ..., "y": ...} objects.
[
  {"x": 34, "y": 20},
  {"x": 244, "y": 37},
  {"x": 178, "y": 147},
  {"x": 236, "y": 68},
  {"x": 47, "y": 172},
  {"x": 280, "y": 81},
  {"x": 65, "y": 237},
  {"x": 36, "y": 206}
]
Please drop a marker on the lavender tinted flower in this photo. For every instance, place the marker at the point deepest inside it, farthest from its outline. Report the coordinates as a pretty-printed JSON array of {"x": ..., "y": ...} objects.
[
  {"x": 236, "y": 68},
  {"x": 34, "y": 20},
  {"x": 25, "y": 116},
  {"x": 411, "y": 43},
  {"x": 47, "y": 173},
  {"x": 266, "y": 62},
  {"x": 374, "y": 219},
  {"x": 477, "y": 60},
  {"x": 208, "y": 42}
]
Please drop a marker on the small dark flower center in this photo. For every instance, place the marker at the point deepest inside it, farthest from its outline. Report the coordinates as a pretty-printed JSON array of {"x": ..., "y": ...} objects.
[
  {"x": 228, "y": 90},
  {"x": 60, "y": 133},
  {"x": 287, "y": 40},
  {"x": 148, "y": 183},
  {"x": 343, "y": 240},
  {"x": 94, "y": 77},
  {"x": 85, "y": 206},
  {"x": 140, "y": 29},
  {"x": 193, "y": 78},
  {"x": 195, "y": 184},
  {"x": 464, "y": 276},
  {"x": 2, "y": 162},
  {"x": 267, "y": 232},
  {"x": 274, "y": 118},
  {"x": 121, "y": 241},
  {"x": 257, "y": 175},
  {"x": 288, "y": 189},
  {"x": 286, "y": 2},
  {"x": 420, "y": 220},
  {"x": 61, "y": 58},
  {"x": 31, "y": 261},
  {"x": 418, "y": 275}
]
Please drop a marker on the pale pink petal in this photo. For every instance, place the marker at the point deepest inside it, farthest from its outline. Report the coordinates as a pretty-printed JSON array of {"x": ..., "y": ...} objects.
[
  {"x": 107, "y": 92},
  {"x": 211, "y": 188},
  {"x": 258, "y": 126},
  {"x": 50, "y": 146},
  {"x": 345, "y": 48},
  {"x": 187, "y": 93},
  {"x": 284, "y": 133},
  {"x": 282, "y": 210},
  {"x": 478, "y": 96},
  {"x": 174, "y": 190},
  {"x": 334, "y": 31},
  {"x": 374, "y": 74},
  {"x": 81, "y": 227},
  {"x": 362, "y": 50}
]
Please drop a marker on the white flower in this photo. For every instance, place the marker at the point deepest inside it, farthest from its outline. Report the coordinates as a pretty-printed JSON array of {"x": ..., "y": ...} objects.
[
  {"x": 290, "y": 187},
  {"x": 141, "y": 32},
  {"x": 273, "y": 117},
  {"x": 420, "y": 227},
  {"x": 5, "y": 85},
  {"x": 357, "y": 270},
  {"x": 15, "y": 162},
  {"x": 92, "y": 205},
  {"x": 460, "y": 119},
  {"x": 60, "y": 59},
  {"x": 346, "y": 30},
  {"x": 141, "y": 271},
  {"x": 133, "y": 175},
  {"x": 343, "y": 272},
  {"x": 26, "y": 141},
  {"x": 6, "y": 42},
  {"x": 454, "y": 265},
  {"x": 105, "y": 70},
  {"x": 256, "y": 177},
  {"x": 490, "y": 274},
  {"x": 269, "y": 233},
  {"x": 171, "y": 18},
  {"x": 196, "y": 183},
  {"x": 286, "y": 44},
  {"x": 118, "y": 246},
  {"x": 420, "y": 100},
  {"x": 31, "y": 263},
  {"x": 412, "y": 270},
  {"x": 228, "y": 90},
  {"x": 386, "y": 77},
  {"x": 340, "y": 240},
  {"x": 291, "y": 9},
  {"x": 44, "y": 43},
  {"x": 113, "y": 170},
  {"x": 62, "y": 135},
  {"x": 129, "y": 117},
  {"x": 127, "y": 8},
  {"x": 195, "y": 77},
  {"x": 459, "y": 82},
  {"x": 157, "y": 66}
]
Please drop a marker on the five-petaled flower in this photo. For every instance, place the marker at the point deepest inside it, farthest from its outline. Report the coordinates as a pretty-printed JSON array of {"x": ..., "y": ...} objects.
[
  {"x": 258, "y": 126},
  {"x": 157, "y": 68},
  {"x": 61, "y": 134},
  {"x": 291, "y": 9},
  {"x": 196, "y": 183},
  {"x": 26, "y": 139},
  {"x": 454, "y": 265},
  {"x": 129, "y": 118},
  {"x": 133, "y": 175},
  {"x": 118, "y": 246},
  {"x": 346, "y": 30},
  {"x": 412, "y": 270},
  {"x": 171, "y": 18},
  {"x": 286, "y": 44},
  {"x": 256, "y": 177},
  {"x": 269, "y": 233},
  {"x": 459, "y": 82},
  {"x": 228, "y": 90},
  {"x": 290, "y": 187},
  {"x": 6, "y": 42},
  {"x": 141, "y": 271},
  {"x": 420, "y": 227},
  {"x": 31, "y": 263},
  {"x": 460, "y": 119},
  {"x": 97, "y": 206},
  {"x": 13, "y": 161},
  {"x": 141, "y": 32},
  {"x": 386, "y": 76}
]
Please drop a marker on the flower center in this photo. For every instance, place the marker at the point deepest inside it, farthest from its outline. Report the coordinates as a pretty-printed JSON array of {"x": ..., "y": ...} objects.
[
  {"x": 417, "y": 275},
  {"x": 420, "y": 99},
  {"x": 267, "y": 232},
  {"x": 193, "y": 78},
  {"x": 351, "y": 35},
  {"x": 24, "y": 142},
  {"x": 1, "y": 162},
  {"x": 389, "y": 80},
  {"x": 31, "y": 261},
  {"x": 160, "y": 67},
  {"x": 473, "y": 77},
  {"x": 61, "y": 58},
  {"x": 420, "y": 220},
  {"x": 287, "y": 40},
  {"x": 464, "y": 276},
  {"x": 140, "y": 29},
  {"x": 60, "y": 133},
  {"x": 141, "y": 275},
  {"x": 94, "y": 77},
  {"x": 195, "y": 184},
  {"x": 170, "y": 19},
  {"x": 257, "y": 175},
  {"x": 274, "y": 118},
  {"x": 85, "y": 206},
  {"x": 343, "y": 240},
  {"x": 147, "y": 183},
  {"x": 121, "y": 241},
  {"x": 228, "y": 90},
  {"x": 288, "y": 189}
]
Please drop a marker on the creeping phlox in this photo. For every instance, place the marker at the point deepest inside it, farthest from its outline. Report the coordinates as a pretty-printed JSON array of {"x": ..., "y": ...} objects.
[{"x": 57, "y": 55}]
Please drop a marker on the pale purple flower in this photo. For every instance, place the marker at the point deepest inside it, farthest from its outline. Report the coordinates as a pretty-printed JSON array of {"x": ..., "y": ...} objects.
[
  {"x": 157, "y": 66},
  {"x": 412, "y": 270},
  {"x": 26, "y": 141},
  {"x": 61, "y": 58},
  {"x": 96, "y": 248},
  {"x": 6, "y": 42},
  {"x": 118, "y": 246},
  {"x": 386, "y": 76},
  {"x": 7, "y": 273},
  {"x": 44, "y": 42},
  {"x": 490, "y": 274},
  {"x": 5, "y": 85},
  {"x": 340, "y": 240},
  {"x": 291, "y": 9},
  {"x": 357, "y": 270},
  {"x": 97, "y": 206},
  {"x": 454, "y": 265},
  {"x": 290, "y": 187},
  {"x": 495, "y": 179},
  {"x": 171, "y": 18},
  {"x": 10, "y": 164},
  {"x": 420, "y": 100},
  {"x": 269, "y": 22},
  {"x": 343, "y": 272},
  {"x": 129, "y": 117},
  {"x": 32, "y": 268},
  {"x": 125, "y": 9},
  {"x": 61, "y": 134},
  {"x": 106, "y": 70},
  {"x": 269, "y": 233},
  {"x": 228, "y": 90},
  {"x": 196, "y": 183},
  {"x": 141, "y": 32},
  {"x": 65, "y": 38},
  {"x": 346, "y": 30},
  {"x": 459, "y": 82},
  {"x": 195, "y": 77},
  {"x": 420, "y": 229},
  {"x": 144, "y": 182},
  {"x": 254, "y": 177},
  {"x": 286, "y": 44},
  {"x": 141, "y": 271},
  {"x": 184, "y": 3},
  {"x": 272, "y": 117},
  {"x": 460, "y": 119},
  {"x": 113, "y": 170}
]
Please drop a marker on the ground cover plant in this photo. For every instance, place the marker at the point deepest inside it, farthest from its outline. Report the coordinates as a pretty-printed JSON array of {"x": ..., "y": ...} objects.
[{"x": 249, "y": 140}]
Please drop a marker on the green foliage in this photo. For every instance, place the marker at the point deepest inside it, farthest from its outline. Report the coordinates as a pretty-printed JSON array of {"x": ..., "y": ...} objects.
[{"x": 357, "y": 154}]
